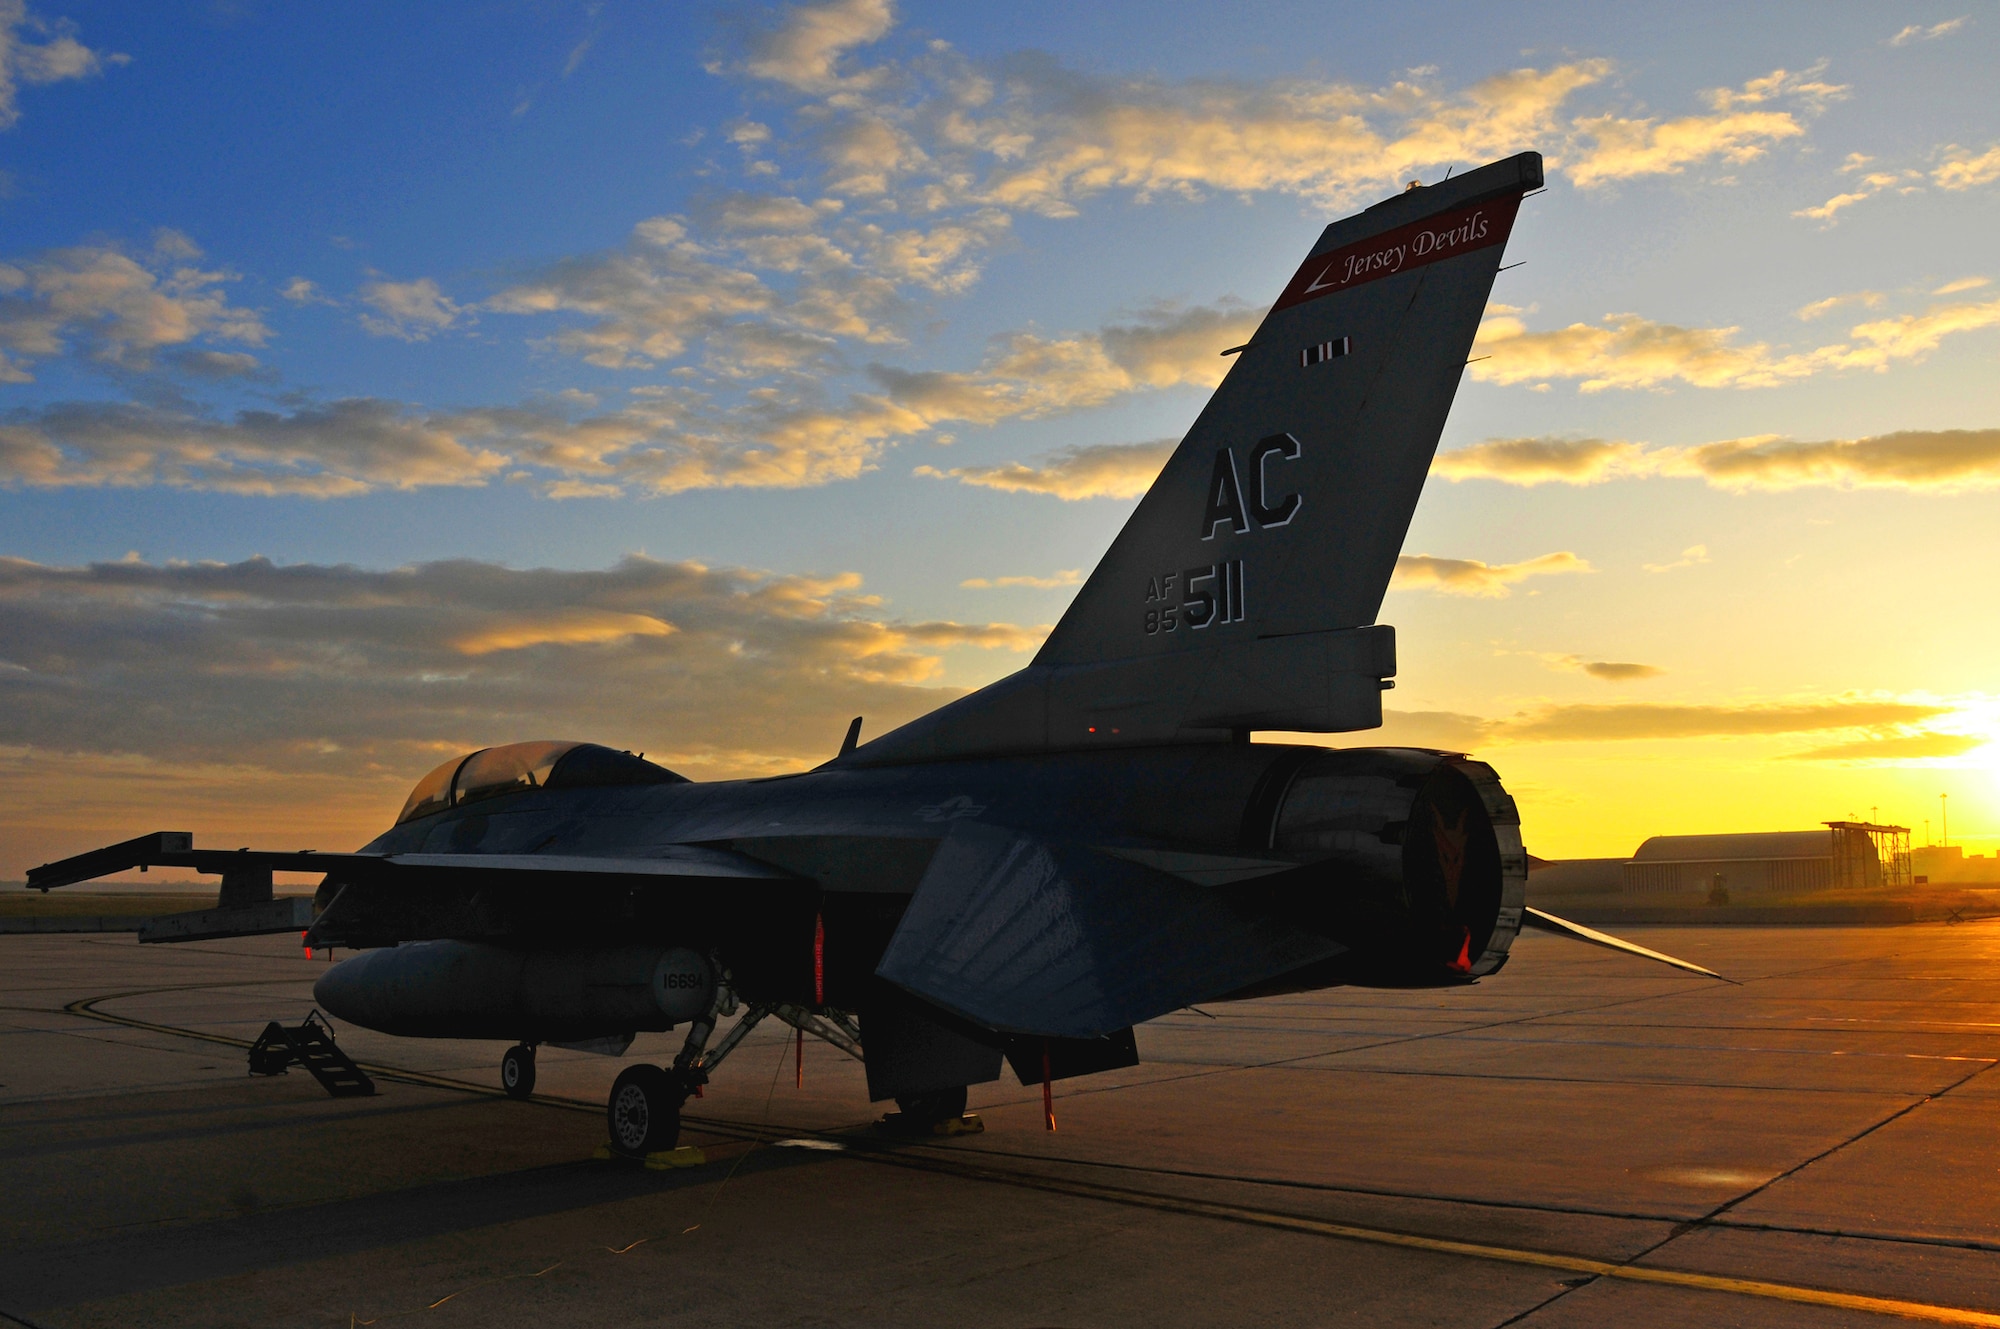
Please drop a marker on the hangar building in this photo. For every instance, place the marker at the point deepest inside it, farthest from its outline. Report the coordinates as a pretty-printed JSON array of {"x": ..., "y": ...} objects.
[{"x": 1843, "y": 855}]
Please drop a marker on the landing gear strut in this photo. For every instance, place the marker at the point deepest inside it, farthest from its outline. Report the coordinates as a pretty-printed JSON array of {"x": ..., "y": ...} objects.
[
  {"x": 644, "y": 1113},
  {"x": 517, "y": 1071}
]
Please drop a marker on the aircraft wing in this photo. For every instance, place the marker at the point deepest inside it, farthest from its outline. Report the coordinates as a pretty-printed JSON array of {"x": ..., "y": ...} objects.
[
  {"x": 176, "y": 849},
  {"x": 420, "y": 892},
  {"x": 1028, "y": 937}
]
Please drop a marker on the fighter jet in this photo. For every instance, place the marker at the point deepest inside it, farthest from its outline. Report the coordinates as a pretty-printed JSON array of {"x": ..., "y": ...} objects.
[{"x": 1029, "y": 872}]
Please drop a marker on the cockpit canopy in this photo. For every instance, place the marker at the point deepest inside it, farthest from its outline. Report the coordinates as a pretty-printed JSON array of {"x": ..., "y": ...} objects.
[{"x": 540, "y": 765}]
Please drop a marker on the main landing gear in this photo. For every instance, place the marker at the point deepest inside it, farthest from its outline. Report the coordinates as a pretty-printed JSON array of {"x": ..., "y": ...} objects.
[
  {"x": 517, "y": 1071},
  {"x": 644, "y": 1112},
  {"x": 922, "y": 1114}
]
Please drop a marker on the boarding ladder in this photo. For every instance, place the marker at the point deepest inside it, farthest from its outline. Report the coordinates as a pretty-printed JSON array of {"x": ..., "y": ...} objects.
[{"x": 311, "y": 1045}]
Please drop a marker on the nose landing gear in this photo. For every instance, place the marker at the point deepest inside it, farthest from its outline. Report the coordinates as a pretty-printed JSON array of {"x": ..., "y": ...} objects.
[{"x": 517, "y": 1071}]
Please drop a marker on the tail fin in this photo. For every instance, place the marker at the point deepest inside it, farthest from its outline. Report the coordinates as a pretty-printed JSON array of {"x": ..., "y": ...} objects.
[{"x": 1242, "y": 592}]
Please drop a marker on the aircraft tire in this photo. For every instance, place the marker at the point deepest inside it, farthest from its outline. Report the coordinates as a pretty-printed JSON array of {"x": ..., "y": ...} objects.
[
  {"x": 517, "y": 1071},
  {"x": 644, "y": 1114},
  {"x": 930, "y": 1109}
]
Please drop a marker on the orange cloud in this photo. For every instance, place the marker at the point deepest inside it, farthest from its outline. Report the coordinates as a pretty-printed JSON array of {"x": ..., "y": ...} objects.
[
  {"x": 1939, "y": 460},
  {"x": 1643, "y": 720},
  {"x": 567, "y": 627},
  {"x": 1945, "y": 460},
  {"x": 1533, "y": 461},
  {"x": 1894, "y": 747},
  {"x": 1964, "y": 169},
  {"x": 1069, "y": 577},
  {"x": 1097, "y": 470},
  {"x": 1466, "y": 576}
]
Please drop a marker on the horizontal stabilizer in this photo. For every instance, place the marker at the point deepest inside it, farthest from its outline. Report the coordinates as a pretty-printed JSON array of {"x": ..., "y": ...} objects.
[
  {"x": 1026, "y": 937},
  {"x": 1036, "y": 1060},
  {"x": 1535, "y": 918}
]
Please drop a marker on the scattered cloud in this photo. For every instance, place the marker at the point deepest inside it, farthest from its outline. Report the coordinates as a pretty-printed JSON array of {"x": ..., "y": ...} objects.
[
  {"x": 560, "y": 627},
  {"x": 344, "y": 447},
  {"x": 1742, "y": 127},
  {"x": 1872, "y": 719},
  {"x": 1867, "y": 299},
  {"x": 1096, "y": 470},
  {"x": 411, "y": 310},
  {"x": 1866, "y": 187},
  {"x": 1917, "y": 32},
  {"x": 1450, "y": 731},
  {"x": 338, "y": 669},
  {"x": 1026, "y": 134},
  {"x": 1643, "y": 720},
  {"x": 1533, "y": 461},
  {"x": 35, "y": 50},
  {"x": 215, "y": 365},
  {"x": 1608, "y": 671},
  {"x": 1629, "y": 351},
  {"x": 664, "y": 291},
  {"x": 1894, "y": 746},
  {"x": 776, "y": 310},
  {"x": 804, "y": 49},
  {"x": 664, "y": 440},
  {"x": 1028, "y": 375},
  {"x": 779, "y": 310},
  {"x": 1939, "y": 460},
  {"x": 1962, "y": 168},
  {"x": 1865, "y": 182},
  {"x": 1465, "y": 576},
  {"x": 574, "y": 60},
  {"x": 1962, "y": 284},
  {"x": 1690, "y": 557},
  {"x": 301, "y": 291},
  {"x": 1068, "y": 577},
  {"x": 1944, "y": 459},
  {"x": 100, "y": 302},
  {"x": 1612, "y": 671},
  {"x": 257, "y": 703}
]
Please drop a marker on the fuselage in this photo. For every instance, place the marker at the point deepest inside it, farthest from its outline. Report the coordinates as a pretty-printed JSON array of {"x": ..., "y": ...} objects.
[{"x": 1319, "y": 838}]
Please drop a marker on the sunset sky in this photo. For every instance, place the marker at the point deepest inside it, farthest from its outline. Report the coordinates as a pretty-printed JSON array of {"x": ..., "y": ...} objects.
[{"x": 382, "y": 381}]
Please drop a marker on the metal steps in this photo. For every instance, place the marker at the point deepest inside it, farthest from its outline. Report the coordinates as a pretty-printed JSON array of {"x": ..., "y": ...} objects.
[{"x": 310, "y": 1045}]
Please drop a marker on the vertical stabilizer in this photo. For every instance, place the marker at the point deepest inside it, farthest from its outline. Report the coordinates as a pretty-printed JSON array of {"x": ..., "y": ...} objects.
[{"x": 1243, "y": 591}]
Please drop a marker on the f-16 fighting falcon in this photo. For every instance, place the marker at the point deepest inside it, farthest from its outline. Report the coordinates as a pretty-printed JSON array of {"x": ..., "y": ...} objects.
[{"x": 1025, "y": 874}]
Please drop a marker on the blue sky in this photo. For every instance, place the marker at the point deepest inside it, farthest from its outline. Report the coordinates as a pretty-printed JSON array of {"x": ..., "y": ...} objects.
[{"x": 852, "y": 304}]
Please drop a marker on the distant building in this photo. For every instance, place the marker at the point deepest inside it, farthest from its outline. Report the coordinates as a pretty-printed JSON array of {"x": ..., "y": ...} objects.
[
  {"x": 1950, "y": 862},
  {"x": 1760, "y": 863},
  {"x": 1842, "y": 855}
]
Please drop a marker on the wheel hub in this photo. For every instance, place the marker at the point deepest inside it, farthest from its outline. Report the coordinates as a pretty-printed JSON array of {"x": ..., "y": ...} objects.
[{"x": 631, "y": 1115}]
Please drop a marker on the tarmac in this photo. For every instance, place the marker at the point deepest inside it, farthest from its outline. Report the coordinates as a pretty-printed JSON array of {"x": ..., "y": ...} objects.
[{"x": 1583, "y": 1139}]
